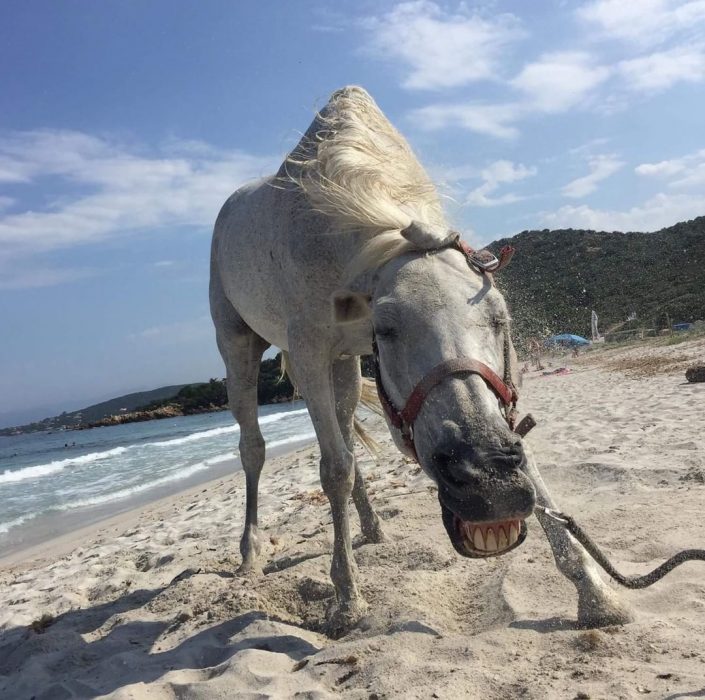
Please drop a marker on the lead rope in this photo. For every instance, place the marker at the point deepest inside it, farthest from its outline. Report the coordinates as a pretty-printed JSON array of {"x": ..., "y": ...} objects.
[
  {"x": 511, "y": 410},
  {"x": 596, "y": 553},
  {"x": 634, "y": 582}
]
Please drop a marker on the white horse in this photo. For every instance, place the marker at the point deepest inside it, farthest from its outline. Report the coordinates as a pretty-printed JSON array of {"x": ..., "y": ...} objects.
[{"x": 346, "y": 251}]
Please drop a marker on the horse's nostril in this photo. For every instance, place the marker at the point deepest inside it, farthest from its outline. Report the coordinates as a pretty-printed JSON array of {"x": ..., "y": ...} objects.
[
  {"x": 442, "y": 461},
  {"x": 511, "y": 456},
  {"x": 456, "y": 470},
  {"x": 464, "y": 467},
  {"x": 446, "y": 464}
]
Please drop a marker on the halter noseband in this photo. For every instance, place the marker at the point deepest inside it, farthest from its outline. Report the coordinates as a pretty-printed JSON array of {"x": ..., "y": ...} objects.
[{"x": 403, "y": 420}]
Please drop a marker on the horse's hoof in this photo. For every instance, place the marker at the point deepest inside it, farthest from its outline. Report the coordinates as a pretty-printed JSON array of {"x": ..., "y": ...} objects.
[
  {"x": 248, "y": 568},
  {"x": 376, "y": 536},
  {"x": 341, "y": 619},
  {"x": 605, "y": 613}
]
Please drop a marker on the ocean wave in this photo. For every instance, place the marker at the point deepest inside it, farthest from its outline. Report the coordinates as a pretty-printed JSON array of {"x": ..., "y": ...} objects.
[
  {"x": 224, "y": 430},
  {"x": 40, "y": 470},
  {"x": 273, "y": 417},
  {"x": 193, "y": 437},
  {"x": 5, "y": 527},
  {"x": 175, "y": 476},
  {"x": 131, "y": 491},
  {"x": 295, "y": 438}
]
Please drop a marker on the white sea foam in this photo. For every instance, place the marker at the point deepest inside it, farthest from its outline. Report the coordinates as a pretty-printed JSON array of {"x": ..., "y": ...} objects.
[
  {"x": 126, "y": 493},
  {"x": 5, "y": 527},
  {"x": 272, "y": 418},
  {"x": 175, "y": 476},
  {"x": 215, "y": 432},
  {"x": 40, "y": 470},
  {"x": 289, "y": 440},
  {"x": 193, "y": 437}
]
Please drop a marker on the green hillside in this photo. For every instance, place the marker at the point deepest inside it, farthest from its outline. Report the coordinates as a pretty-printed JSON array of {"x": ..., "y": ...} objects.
[
  {"x": 557, "y": 277},
  {"x": 184, "y": 399},
  {"x": 91, "y": 414}
]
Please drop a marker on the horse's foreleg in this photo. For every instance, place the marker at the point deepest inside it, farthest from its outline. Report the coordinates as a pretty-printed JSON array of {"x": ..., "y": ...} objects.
[
  {"x": 314, "y": 375},
  {"x": 242, "y": 352},
  {"x": 347, "y": 383},
  {"x": 598, "y": 604}
]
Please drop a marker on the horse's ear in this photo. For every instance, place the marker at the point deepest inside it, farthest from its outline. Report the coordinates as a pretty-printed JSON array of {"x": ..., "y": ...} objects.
[
  {"x": 349, "y": 307},
  {"x": 424, "y": 236}
]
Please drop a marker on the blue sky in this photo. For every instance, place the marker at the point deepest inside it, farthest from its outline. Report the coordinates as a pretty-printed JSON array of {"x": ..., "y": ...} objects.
[{"x": 125, "y": 125}]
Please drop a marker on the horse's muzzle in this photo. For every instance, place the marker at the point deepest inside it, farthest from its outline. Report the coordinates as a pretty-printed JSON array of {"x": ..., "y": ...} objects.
[{"x": 485, "y": 497}]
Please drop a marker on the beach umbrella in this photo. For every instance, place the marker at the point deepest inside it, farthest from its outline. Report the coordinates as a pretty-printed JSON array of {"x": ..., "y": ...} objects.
[{"x": 567, "y": 339}]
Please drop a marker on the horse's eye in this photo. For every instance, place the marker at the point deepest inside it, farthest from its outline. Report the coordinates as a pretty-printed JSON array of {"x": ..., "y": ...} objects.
[{"x": 386, "y": 333}]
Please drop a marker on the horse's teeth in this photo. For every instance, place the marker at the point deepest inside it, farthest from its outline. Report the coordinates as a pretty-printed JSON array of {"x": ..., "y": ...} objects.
[
  {"x": 491, "y": 540},
  {"x": 513, "y": 533},
  {"x": 477, "y": 540},
  {"x": 502, "y": 541}
]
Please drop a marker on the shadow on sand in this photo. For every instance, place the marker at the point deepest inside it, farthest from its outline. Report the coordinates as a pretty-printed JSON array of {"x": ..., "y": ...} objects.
[
  {"x": 550, "y": 624},
  {"x": 57, "y": 662}
]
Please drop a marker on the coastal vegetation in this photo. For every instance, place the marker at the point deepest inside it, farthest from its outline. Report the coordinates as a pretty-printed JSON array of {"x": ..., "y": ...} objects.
[
  {"x": 166, "y": 402},
  {"x": 556, "y": 278}
]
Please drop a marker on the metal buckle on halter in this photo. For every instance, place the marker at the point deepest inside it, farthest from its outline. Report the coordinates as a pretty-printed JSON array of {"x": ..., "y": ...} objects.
[
  {"x": 487, "y": 263},
  {"x": 554, "y": 514}
]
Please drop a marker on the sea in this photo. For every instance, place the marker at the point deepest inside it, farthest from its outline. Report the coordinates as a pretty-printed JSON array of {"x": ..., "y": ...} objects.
[{"x": 53, "y": 482}]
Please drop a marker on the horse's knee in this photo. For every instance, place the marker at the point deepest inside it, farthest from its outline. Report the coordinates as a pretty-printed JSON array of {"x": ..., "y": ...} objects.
[
  {"x": 252, "y": 453},
  {"x": 338, "y": 474}
]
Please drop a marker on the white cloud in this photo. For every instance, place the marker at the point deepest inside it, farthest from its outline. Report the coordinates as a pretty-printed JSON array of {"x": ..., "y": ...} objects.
[
  {"x": 659, "y": 71},
  {"x": 555, "y": 83},
  {"x": 656, "y": 213},
  {"x": 601, "y": 167},
  {"x": 694, "y": 178},
  {"x": 643, "y": 22},
  {"x": 663, "y": 168},
  {"x": 493, "y": 120},
  {"x": 117, "y": 188},
  {"x": 494, "y": 175},
  {"x": 441, "y": 49},
  {"x": 690, "y": 167},
  {"x": 559, "y": 81}
]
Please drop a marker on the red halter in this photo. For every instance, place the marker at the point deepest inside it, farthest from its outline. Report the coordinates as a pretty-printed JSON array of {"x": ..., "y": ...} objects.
[{"x": 484, "y": 262}]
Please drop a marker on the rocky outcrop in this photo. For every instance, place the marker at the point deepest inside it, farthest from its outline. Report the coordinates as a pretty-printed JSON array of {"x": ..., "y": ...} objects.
[
  {"x": 136, "y": 416},
  {"x": 695, "y": 373}
]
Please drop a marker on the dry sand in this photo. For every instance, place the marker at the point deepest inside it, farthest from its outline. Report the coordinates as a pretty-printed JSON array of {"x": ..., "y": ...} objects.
[{"x": 147, "y": 606}]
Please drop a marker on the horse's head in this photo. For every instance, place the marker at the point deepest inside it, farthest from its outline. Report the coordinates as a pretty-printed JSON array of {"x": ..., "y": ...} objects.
[{"x": 427, "y": 309}]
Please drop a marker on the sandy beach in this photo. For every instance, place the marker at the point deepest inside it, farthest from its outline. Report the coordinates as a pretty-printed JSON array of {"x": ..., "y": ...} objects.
[{"x": 146, "y": 605}]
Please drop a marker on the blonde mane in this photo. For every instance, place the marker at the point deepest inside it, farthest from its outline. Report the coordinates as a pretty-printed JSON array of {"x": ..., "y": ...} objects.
[{"x": 356, "y": 168}]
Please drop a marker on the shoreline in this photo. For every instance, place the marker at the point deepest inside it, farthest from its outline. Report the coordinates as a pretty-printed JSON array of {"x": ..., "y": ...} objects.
[{"x": 57, "y": 533}]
